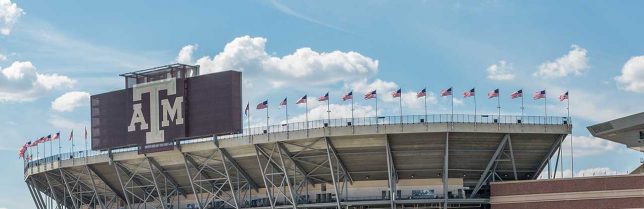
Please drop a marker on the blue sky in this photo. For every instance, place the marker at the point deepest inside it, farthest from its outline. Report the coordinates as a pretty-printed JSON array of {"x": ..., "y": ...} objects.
[{"x": 291, "y": 48}]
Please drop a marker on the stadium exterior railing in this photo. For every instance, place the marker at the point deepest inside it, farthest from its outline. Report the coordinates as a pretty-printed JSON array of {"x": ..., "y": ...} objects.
[{"x": 258, "y": 129}]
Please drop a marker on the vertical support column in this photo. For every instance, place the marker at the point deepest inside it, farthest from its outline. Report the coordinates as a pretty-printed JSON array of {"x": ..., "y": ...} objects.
[
  {"x": 514, "y": 166},
  {"x": 230, "y": 183},
  {"x": 100, "y": 201},
  {"x": 288, "y": 180},
  {"x": 390, "y": 174},
  {"x": 162, "y": 197},
  {"x": 261, "y": 169},
  {"x": 335, "y": 185},
  {"x": 118, "y": 175},
  {"x": 192, "y": 184},
  {"x": 62, "y": 175},
  {"x": 33, "y": 196},
  {"x": 51, "y": 189},
  {"x": 445, "y": 170}
]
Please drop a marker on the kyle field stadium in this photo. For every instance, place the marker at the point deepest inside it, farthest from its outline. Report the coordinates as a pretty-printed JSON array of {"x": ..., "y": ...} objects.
[{"x": 169, "y": 141}]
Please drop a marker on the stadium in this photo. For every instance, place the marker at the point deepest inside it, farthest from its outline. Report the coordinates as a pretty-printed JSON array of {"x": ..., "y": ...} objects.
[{"x": 201, "y": 156}]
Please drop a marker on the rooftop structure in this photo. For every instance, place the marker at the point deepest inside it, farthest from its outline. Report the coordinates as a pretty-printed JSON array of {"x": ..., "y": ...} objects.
[
  {"x": 628, "y": 130},
  {"x": 160, "y": 73}
]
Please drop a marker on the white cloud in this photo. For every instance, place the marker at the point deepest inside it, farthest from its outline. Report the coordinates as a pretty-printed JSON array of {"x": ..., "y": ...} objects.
[
  {"x": 65, "y": 125},
  {"x": 632, "y": 77},
  {"x": 585, "y": 146},
  {"x": 22, "y": 82},
  {"x": 337, "y": 111},
  {"x": 3, "y": 57},
  {"x": 575, "y": 62},
  {"x": 383, "y": 89},
  {"x": 185, "y": 55},
  {"x": 9, "y": 15},
  {"x": 70, "y": 101},
  {"x": 599, "y": 171},
  {"x": 458, "y": 102},
  {"x": 304, "y": 66},
  {"x": 410, "y": 100},
  {"x": 501, "y": 71},
  {"x": 602, "y": 171},
  {"x": 603, "y": 107}
]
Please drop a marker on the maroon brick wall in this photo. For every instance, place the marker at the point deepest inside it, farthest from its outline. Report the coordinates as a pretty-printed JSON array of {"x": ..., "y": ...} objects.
[
  {"x": 578, "y": 204},
  {"x": 568, "y": 185}
]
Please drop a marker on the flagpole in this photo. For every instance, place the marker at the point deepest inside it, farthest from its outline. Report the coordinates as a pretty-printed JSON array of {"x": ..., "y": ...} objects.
[
  {"x": 425, "y": 97},
  {"x": 498, "y": 104},
  {"x": 475, "y": 106},
  {"x": 572, "y": 153},
  {"x": 267, "y": 125},
  {"x": 248, "y": 118},
  {"x": 307, "y": 115},
  {"x": 377, "y": 112},
  {"x": 59, "y": 147},
  {"x": 286, "y": 109},
  {"x": 328, "y": 109},
  {"x": 522, "y": 106},
  {"x": 401, "y": 111},
  {"x": 452, "y": 116},
  {"x": 353, "y": 129}
]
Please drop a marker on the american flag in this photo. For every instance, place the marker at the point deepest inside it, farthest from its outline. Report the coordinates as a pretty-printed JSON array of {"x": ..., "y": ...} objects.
[
  {"x": 283, "y": 103},
  {"x": 370, "y": 95},
  {"x": 469, "y": 93},
  {"x": 347, "y": 96},
  {"x": 539, "y": 94},
  {"x": 301, "y": 100},
  {"x": 33, "y": 144},
  {"x": 517, "y": 94},
  {"x": 493, "y": 93},
  {"x": 563, "y": 96},
  {"x": 245, "y": 110},
  {"x": 396, "y": 93},
  {"x": 262, "y": 105},
  {"x": 324, "y": 98},
  {"x": 71, "y": 135},
  {"x": 421, "y": 93},
  {"x": 446, "y": 92},
  {"x": 56, "y": 136},
  {"x": 22, "y": 150},
  {"x": 85, "y": 132},
  {"x": 48, "y": 138}
]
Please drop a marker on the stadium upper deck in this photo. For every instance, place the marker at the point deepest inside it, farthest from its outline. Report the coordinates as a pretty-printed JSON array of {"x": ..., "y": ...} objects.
[{"x": 428, "y": 161}]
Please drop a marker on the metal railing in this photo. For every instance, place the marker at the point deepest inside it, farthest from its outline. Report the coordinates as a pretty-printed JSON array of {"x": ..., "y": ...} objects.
[{"x": 337, "y": 122}]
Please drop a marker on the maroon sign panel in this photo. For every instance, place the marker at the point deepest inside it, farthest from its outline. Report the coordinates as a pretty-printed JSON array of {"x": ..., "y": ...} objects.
[{"x": 167, "y": 110}]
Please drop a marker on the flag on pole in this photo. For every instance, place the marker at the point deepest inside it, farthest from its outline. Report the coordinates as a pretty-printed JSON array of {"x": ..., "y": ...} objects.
[
  {"x": 262, "y": 105},
  {"x": 563, "y": 96},
  {"x": 324, "y": 98},
  {"x": 446, "y": 92},
  {"x": 247, "y": 108},
  {"x": 370, "y": 95},
  {"x": 56, "y": 136},
  {"x": 48, "y": 138},
  {"x": 283, "y": 103},
  {"x": 421, "y": 93},
  {"x": 22, "y": 150},
  {"x": 539, "y": 95},
  {"x": 301, "y": 100},
  {"x": 517, "y": 94},
  {"x": 347, "y": 96},
  {"x": 493, "y": 93},
  {"x": 85, "y": 132},
  {"x": 34, "y": 143},
  {"x": 71, "y": 135},
  {"x": 396, "y": 93},
  {"x": 469, "y": 93}
]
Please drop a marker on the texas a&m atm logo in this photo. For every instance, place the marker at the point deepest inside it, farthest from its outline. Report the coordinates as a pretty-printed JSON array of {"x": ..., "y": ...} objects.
[{"x": 155, "y": 123}]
